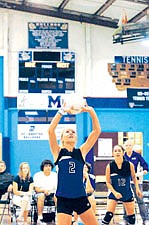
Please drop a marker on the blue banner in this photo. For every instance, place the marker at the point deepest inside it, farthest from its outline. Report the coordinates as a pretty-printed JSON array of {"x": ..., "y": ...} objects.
[
  {"x": 42, "y": 117},
  {"x": 32, "y": 117},
  {"x": 132, "y": 59},
  {"x": 138, "y": 97},
  {"x": 44, "y": 35}
]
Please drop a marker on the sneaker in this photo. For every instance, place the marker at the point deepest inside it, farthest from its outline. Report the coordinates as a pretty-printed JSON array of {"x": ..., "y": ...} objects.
[{"x": 40, "y": 221}]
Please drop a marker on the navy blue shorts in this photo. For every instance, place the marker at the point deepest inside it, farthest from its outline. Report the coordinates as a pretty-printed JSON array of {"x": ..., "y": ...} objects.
[
  {"x": 130, "y": 199},
  {"x": 69, "y": 205}
]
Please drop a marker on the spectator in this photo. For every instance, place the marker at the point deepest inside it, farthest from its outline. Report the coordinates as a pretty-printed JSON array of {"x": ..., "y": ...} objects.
[
  {"x": 137, "y": 159},
  {"x": 5, "y": 180},
  {"x": 23, "y": 188},
  {"x": 45, "y": 183},
  {"x": 140, "y": 173}
]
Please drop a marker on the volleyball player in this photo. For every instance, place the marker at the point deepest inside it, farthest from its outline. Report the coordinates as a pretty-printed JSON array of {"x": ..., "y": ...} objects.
[
  {"x": 118, "y": 178},
  {"x": 71, "y": 194}
]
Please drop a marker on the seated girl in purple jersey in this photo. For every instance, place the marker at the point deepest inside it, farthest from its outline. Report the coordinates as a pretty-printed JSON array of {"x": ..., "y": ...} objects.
[
  {"x": 70, "y": 193},
  {"x": 118, "y": 177}
]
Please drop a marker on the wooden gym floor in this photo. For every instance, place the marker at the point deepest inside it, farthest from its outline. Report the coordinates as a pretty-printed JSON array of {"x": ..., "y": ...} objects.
[
  {"x": 101, "y": 210},
  {"x": 117, "y": 219}
]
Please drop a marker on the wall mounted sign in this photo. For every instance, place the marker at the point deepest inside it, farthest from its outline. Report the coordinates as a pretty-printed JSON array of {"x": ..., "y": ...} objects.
[
  {"x": 44, "y": 35},
  {"x": 130, "y": 71},
  {"x": 138, "y": 97}
]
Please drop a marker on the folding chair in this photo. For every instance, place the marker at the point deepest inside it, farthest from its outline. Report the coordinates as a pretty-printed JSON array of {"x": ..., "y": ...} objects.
[
  {"x": 6, "y": 203},
  {"x": 15, "y": 210},
  {"x": 49, "y": 210}
]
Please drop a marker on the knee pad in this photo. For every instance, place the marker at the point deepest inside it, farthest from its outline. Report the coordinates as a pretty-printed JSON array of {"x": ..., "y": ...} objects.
[
  {"x": 107, "y": 218},
  {"x": 131, "y": 219}
]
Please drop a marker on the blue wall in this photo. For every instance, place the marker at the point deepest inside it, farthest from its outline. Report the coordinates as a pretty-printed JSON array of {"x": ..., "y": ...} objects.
[{"x": 114, "y": 119}]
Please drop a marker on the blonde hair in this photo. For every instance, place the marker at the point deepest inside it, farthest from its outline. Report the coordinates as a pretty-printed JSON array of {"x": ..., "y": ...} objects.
[
  {"x": 63, "y": 131},
  {"x": 21, "y": 170}
]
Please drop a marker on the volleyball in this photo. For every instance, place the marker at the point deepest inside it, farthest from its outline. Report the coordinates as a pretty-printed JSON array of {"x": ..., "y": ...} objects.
[{"x": 74, "y": 103}]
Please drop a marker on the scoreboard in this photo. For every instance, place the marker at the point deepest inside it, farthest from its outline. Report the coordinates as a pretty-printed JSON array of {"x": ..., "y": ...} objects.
[{"x": 46, "y": 72}]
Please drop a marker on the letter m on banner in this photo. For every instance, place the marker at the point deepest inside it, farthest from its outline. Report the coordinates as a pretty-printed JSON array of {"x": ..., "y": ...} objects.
[{"x": 54, "y": 102}]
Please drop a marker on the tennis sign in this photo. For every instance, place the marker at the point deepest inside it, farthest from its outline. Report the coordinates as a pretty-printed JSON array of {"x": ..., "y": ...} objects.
[{"x": 138, "y": 97}]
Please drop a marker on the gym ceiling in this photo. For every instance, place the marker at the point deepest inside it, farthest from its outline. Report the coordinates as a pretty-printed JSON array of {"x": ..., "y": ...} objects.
[{"x": 99, "y": 12}]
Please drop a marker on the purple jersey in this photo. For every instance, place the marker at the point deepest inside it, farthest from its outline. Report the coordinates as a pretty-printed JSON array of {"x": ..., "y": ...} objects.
[{"x": 135, "y": 158}]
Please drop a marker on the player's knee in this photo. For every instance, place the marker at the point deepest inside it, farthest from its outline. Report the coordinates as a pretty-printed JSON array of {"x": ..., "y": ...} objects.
[
  {"x": 107, "y": 218},
  {"x": 131, "y": 219}
]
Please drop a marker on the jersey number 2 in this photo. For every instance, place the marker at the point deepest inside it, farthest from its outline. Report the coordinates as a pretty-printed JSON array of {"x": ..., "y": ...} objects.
[{"x": 72, "y": 167}]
